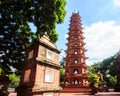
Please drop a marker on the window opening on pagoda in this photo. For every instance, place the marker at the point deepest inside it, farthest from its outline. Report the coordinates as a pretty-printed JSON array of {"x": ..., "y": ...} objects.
[
  {"x": 75, "y": 38},
  {"x": 75, "y": 52},
  {"x": 66, "y": 83},
  {"x": 75, "y": 61},
  {"x": 76, "y": 82},
  {"x": 75, "y": 71},
  {"x": 75, "y": 45},
  {"x": 79, "y": 82}
]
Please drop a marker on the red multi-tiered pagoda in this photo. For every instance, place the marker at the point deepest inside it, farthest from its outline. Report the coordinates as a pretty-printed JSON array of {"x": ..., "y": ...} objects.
[{"x": 76, "y": 78}]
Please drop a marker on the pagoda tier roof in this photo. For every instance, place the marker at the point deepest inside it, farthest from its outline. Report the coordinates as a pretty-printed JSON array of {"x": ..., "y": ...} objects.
[
  {"x": 74, "y": 33},
  {"x": 77, "y": 40},
  {"x": 76, "y": 65},
  {"x": 78, "y": 23},
  {"x": 71, "y": 29},
  {"x": 80, "y": 33},
  {"x": 80, "y": 48},
  {"x": 82, "y": 37},
  {"x": 76, "y": 57},
  {"x": 77, "y": 76},
  {"x": 69, "y": 57},
  {"x": 76, "y": 47},
  {"x": 83, "y": 43},
  {"x": 74, "y": 27},
  {"x": 75, "y": 16}
]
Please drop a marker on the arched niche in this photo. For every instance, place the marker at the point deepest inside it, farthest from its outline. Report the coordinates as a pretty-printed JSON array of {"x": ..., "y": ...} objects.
[
  {"x": 76, "y": 61},
  {"x": 75, "y": 52},
  {"x": 76, "y": 81},
  {"x": 75, "y": 71},
  {"x": 75, "y": 45}
]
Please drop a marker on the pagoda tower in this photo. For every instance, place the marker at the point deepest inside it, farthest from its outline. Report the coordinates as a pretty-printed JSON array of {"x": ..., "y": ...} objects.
[{"x": 76, "y": 78}]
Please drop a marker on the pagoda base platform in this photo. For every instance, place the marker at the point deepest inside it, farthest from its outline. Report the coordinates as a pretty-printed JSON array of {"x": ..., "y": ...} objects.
[{"x": 76, "y": 90}]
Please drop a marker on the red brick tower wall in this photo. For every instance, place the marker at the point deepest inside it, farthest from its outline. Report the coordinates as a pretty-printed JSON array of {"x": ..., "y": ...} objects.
[{"x": 75, "y": 69}]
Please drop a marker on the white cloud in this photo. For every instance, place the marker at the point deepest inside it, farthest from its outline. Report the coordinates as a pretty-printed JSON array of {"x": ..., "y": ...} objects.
[
  {"x": 66, "y": 35},
  {"x": 117, "y": 2},
  {"x": 103, "y": 40}
]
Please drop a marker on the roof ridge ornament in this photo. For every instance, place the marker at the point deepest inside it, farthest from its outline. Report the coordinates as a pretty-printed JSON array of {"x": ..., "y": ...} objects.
[{"x": 75, "y": 11}]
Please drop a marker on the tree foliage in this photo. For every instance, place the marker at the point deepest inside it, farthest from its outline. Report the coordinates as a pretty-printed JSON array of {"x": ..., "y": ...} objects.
[
  {"x": 93, "y": 79},
  {"x": 14, "y": 80},
  {"x": 107, "y": 68},
  {"x": 62, "y": 71},
  {"x": 16, "y": 34}
]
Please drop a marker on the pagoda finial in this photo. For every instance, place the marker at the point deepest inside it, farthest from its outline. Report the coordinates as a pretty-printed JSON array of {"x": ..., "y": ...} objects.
[{"x": 75, "y": 11}]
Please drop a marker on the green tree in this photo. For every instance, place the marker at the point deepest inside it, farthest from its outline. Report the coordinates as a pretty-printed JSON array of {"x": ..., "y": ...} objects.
[
  {"x": 14, "y": 80},
  {"x": 16, "y": 34},
  {"x": 110, "y": 81},
  {"x": 107, "y": 68},
  {"x": 93, "y": 78},
  {"x": 62, "y": 71},
  {"x": 0, "y": 70}
]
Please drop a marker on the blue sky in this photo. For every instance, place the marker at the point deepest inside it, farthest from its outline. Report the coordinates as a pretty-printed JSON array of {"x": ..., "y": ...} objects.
[{"x": 101, "y": 26}]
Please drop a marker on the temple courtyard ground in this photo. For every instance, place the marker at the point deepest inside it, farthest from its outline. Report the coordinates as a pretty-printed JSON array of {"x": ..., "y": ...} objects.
[
  {"x": 82, "y": 94},
  {"x": 98, "y": 94}
]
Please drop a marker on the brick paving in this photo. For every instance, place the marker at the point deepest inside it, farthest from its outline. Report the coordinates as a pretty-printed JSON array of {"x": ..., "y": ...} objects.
[
  {"x": 74, "y": 94},
  {"x": 12, "y": 94},
  {"x": 98, "y": 94},
  {"x": 82, "y": 94},
  {"x": 108, "y": 94}
]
